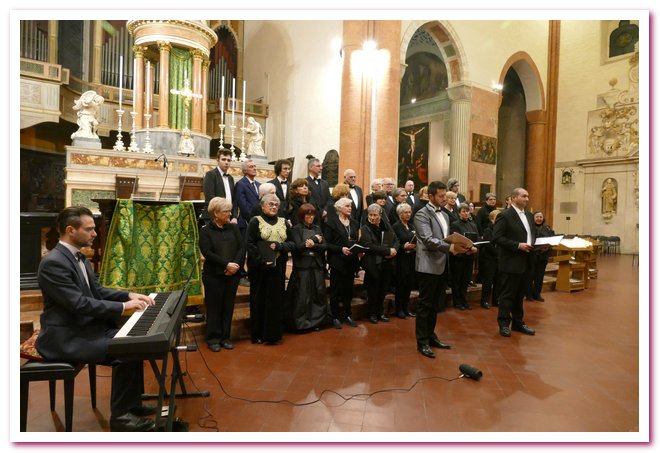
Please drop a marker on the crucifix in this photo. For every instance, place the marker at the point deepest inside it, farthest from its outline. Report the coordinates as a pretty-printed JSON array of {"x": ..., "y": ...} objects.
[{"x": 186, "y": 145}]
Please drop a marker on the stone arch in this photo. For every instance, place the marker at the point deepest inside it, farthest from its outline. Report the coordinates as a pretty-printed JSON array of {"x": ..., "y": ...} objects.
[
  {"x": 447, "y": 41},
  {"x": 530, "y": 78}
]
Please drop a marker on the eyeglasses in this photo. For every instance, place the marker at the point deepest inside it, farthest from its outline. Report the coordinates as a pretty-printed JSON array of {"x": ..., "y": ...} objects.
[{"x": 272, "y": 204}]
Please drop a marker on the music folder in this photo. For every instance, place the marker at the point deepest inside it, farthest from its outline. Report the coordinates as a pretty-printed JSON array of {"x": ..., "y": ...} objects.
[{"x": 267, "y": 254}]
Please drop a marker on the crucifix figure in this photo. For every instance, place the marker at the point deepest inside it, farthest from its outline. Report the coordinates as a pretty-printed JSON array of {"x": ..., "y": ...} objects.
[
  {"x": 411, "y": 136},
  {"x": 186, "y": 145}
]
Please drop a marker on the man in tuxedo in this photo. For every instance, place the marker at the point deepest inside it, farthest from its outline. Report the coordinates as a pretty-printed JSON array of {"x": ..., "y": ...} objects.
[
  {"x": 281, "y": 183},
  {"x": 515, "y": 234},
  {"x": 247, "y": 194},
  {"x": 411, "y": 197},
  {"x": 454, "y": 186},
  {"x": 355, "y": 194},
  {"x": 376, "y": 185},
  {"x": 319, "y": 190},
  {"x": 79, "y": 318},
  {"x": 219, "y": 183},
  {"x": 388, "y": 187},
  {"x": 432, "y": 226}
]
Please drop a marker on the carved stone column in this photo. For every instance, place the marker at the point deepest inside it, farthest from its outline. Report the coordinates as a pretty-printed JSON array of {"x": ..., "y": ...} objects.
[
  {"x": 97, "y": 51},
  {"x": 535, "y": 169},
  {"x": 138, "y": 77},
  {"x": 197, "y": 57},
  {"x": 164, "y": 48},
  {"x": 52, "y": 41},
  {"x": 459, "y": 158},
  {"x": 205, "y": 92}
]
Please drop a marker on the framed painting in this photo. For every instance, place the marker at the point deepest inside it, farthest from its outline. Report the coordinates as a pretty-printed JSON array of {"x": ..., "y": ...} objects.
[
  {"x": 484, "y": 149},
  {"x": 413, "y": 155}
]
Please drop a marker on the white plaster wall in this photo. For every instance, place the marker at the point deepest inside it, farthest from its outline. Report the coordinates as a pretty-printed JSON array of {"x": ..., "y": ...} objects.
[
  {"x": 294, "y": 67},
  {"x": 582, "y": 77}
]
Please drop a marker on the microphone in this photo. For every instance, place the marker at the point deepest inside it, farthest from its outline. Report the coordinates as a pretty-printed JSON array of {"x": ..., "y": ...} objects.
[
  {"x": 470, "y": 372},
  {"x": 164, "y": 159}
]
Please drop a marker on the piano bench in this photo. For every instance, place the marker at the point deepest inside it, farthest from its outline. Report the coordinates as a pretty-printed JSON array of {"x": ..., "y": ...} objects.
[{"x": 52, "y": 372}]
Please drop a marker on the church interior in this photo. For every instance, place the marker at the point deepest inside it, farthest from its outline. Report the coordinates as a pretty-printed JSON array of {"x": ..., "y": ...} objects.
[{"x": 138, "y": 109}]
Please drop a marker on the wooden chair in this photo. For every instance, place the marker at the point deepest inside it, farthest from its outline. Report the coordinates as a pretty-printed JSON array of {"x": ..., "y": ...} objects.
[{"x": 52, "y": 372}]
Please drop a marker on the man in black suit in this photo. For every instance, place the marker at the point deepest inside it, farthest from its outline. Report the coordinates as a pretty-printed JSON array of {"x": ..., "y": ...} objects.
[
  {"x": 411, "y": 197},
  {"x": 219, "y": 183},
  {"x": 514, "y": 233},
  {"x": 454, "y": 186},
  {"x": 247, "y": 194},
  {"x": 319, "y": 190},
  {"x": 376, "y": 185},
  {"x": 79, "y": 318},
  {"x": 355, "y": 194},
  {"x": 388, "y": 187},
  {"x": 281, "y": 183}
]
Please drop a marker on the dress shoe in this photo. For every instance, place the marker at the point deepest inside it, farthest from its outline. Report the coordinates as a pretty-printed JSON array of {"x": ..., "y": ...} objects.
[
  {"x": 215, "y": 347},
  {"x": 144, "y": 410},
  {"x": 131, "y": 423},
  {"x": 401, "y": 315},
  {"x": 485, "y": 305},
  {"x": 373, "y": 319},
  {"x": 539, "y": 299},
  {"x": 524, "y": 329},
  {"x": 529, "y": 298},
  {"x": 460, "y": 307},
  {"x": 426, "y": 351},
  {"x": 505, "y": 331},
  {"x": 410, "y": 314},
  {"x": 257, "y": 341},
  {"x": 350, "y": 322},
  {"x": 336, "y": 323},
  {"x": 227, "y": 344},
  {"x": 438, "y": 344},
  {"x": 384, "y": 318}
]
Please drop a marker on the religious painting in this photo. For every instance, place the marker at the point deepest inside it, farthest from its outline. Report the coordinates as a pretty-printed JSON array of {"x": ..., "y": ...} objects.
[
  {"x": 414, "y": 155},
  {"x": 425, "y": 77},
  {"x": 484, "y": 149}
]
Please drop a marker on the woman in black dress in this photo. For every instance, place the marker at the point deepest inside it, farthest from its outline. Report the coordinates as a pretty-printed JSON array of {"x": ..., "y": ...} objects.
[
  {"x": 540, "y": 258},
  {"x": 405, "y": 260},
  {"x": 341, "y": 232},
  {"x": 267, "y": 249},
  {"x": 224, "y": 253},
  {"x": 306, "y": 305},
  {"x": 298, "y": 195},
  {"x": 462, "y": 264},
  {"x": 381, "y": 243},
  {"x": 488, "y": 264}
]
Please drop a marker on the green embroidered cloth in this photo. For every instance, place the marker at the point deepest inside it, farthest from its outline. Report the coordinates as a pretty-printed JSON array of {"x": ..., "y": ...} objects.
[{"x": 152, "y": 248}]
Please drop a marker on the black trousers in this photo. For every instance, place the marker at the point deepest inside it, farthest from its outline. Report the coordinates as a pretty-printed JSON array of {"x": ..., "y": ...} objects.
[
  {"x": 127, "y": 385},
  {"x": 267, "y": 303},
  {"x": 432, "y": 289},
  {"x": 513, "y": 287},
  {"x": 536, "y": 282},
  {"x": 341, "y": 292},
  {"x": 219, "y": 297},
  {"x": 490, "y": 282},
  {"x": 461, "y": 274},
  {"x": 377, "y": 287}
]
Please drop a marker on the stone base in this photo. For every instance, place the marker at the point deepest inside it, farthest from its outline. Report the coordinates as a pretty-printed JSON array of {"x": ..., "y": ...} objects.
[
  {"x": 93, "y": 143},
  {"x": 167, "y": 141},
  {"x": 258, "y": 159}
]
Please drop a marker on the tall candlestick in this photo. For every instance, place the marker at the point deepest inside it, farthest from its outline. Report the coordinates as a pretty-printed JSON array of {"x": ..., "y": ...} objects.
[
  {"x": 244, "y": 89},
  {"x": 147, "y": 87},
  {"x": 233, "y": 100},
  {"x": 134, "y": 84},
  {"x": 222, "y": 102},
  {"x": 121, "y": 77}
]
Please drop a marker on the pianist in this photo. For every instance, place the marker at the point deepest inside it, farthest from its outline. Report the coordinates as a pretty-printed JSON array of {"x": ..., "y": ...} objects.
[{"x": 79, "y": 318}]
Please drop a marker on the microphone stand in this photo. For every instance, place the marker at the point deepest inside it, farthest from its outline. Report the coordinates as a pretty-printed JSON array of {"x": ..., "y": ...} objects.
[{"x": 167, "y": 172}]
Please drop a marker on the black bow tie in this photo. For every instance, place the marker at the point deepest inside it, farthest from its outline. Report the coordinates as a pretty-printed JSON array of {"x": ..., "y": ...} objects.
[
  {"x": 283, "y": 183},
  {"x": 438, "y": 210},
  {"x": 352, "y": 186},
  {"x": 80, "y": 257}
]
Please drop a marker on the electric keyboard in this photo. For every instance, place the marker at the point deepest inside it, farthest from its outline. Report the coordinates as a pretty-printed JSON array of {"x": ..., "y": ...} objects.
[{"x": 150, "y": 333}]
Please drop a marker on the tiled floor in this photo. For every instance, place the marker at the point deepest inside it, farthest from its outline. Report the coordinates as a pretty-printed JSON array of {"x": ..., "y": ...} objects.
[{"x": 579, "y": 373}]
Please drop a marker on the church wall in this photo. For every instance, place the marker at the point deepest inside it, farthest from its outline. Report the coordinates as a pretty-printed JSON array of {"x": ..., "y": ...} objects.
[
  {"x": 582, "y": 78},
  {"x": 294, "y": 67}
]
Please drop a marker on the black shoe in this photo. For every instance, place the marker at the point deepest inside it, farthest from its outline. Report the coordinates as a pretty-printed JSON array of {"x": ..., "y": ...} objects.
[
  {"x": 539, "y": 299},
  {"x": 350, "y": 322},
  {"x": 144, "y": 410},
  {"x": 131, "y": 423},
  {"x": 460, "y": 307},
  {"x": 505, "y": 331},
  {"x": 257, "y": 341},
  {"x": 467, "y": 306},
  {"x": 524, "y": 329},
  {"x": 529, "y": 298},
  {"x": 410, "y": 314},
  {"x": 426, "y": 351},
  {"x": 401, "y": 315},
  {"x": 373, "y": 319},
  {"x": 227, "y": 344},
  {"x": 485, "y": 305},
  {"x": 438, "y": 344},
  {"x": 384, "y": 318},
  {"x": 336, "y": 323},
  {"x": 215, "y": 347}
]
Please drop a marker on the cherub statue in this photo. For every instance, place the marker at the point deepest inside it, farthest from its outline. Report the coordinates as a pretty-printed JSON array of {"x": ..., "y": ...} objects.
[
  {"x": 87, "y": 107},
  {"x": 255, "y": 137}
]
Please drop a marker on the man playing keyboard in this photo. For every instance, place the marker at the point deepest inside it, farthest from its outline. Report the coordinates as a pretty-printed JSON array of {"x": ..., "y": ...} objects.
[{"x": 79, "y": 318}]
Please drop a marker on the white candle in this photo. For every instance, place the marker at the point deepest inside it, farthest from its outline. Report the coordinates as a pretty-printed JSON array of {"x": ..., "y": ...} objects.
[
  {"x": 244, "y": 89},
  {"x": 134, "y": 83},
  {"x": 233, "y": 99},
  {"x": 121, "y": 76},
  {"x": 222, "y": 102},
  {"x": 148, "y": 87}
]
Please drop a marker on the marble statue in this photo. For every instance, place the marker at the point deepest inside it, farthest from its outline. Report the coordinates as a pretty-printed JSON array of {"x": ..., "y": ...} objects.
[
  {"x": 255, "y": 138},
  {"x": 609, "y": 197},
  {"x": 87, "y": 108}
]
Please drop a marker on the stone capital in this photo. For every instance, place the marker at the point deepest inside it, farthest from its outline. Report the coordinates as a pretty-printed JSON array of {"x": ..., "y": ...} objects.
[
  {"x": 197, "y": 54},
  {"x": 460, "y": 92},
  {"x": 164, "y": 46},
  {"x": 139, "y": 51}
]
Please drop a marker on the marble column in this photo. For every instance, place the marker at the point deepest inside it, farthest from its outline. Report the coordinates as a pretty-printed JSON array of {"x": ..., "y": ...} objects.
[
  {"x": 205, "y": 92},
  {"x": 97, "y": 52},
  {"x": 535, "y": 167},
  {"x": 138, "y": 85},
  {"x": 164, "y": 86},
  {"x": 52, "y": 41},
  {"x": 459, "y": 158},
  {"x": 197, "y": 57}
]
